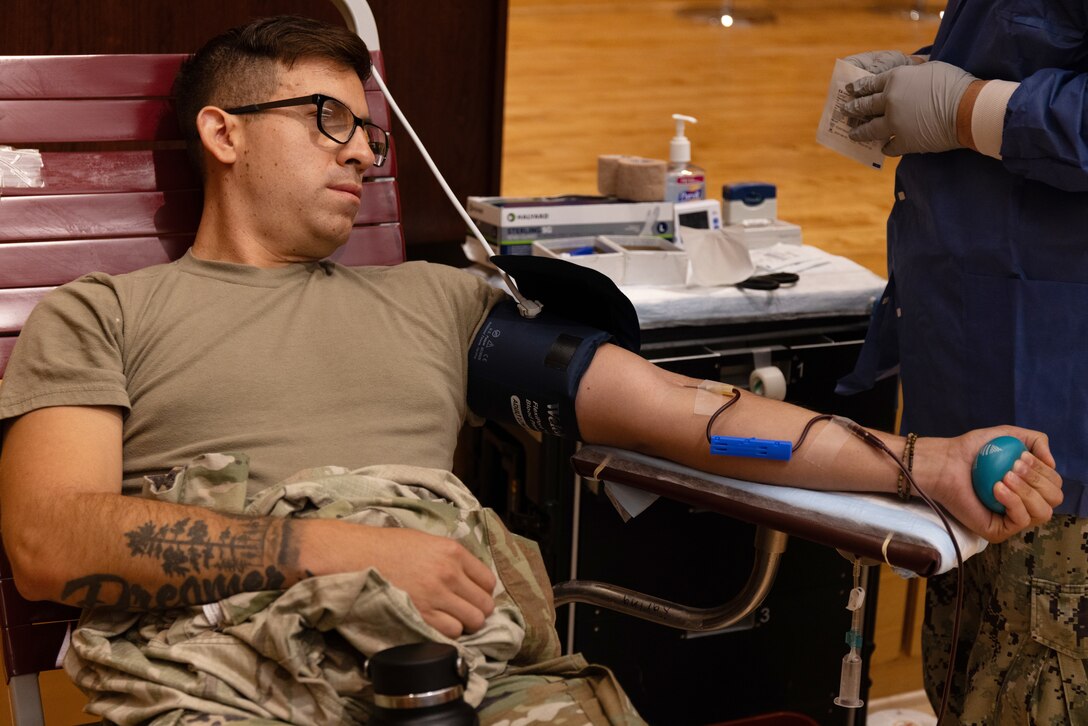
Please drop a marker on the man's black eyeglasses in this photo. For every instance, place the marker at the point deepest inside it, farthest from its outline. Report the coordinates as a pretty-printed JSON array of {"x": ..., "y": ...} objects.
[{"x": 334, "y": 120}]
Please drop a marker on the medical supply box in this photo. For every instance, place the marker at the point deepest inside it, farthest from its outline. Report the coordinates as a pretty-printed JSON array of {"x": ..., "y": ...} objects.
[
  {"x": 513, "y": 223},
  {"x": 749, "y": 200}
]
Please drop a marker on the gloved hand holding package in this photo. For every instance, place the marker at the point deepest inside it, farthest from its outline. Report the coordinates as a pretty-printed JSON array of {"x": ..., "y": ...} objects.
[
  {"x": 910, "y": 108},
  {"x": 835, "y": 126}
]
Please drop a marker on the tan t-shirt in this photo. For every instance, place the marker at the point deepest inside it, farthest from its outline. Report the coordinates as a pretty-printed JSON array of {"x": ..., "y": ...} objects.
[{"x": 301, "y": 366}]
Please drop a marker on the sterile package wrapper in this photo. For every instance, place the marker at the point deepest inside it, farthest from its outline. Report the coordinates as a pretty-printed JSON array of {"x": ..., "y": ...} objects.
[{"x": 834, "y": 128}]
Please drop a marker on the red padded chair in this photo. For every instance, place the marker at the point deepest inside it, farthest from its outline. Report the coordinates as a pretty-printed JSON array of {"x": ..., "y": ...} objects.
[{"x": 118, "y": 195}]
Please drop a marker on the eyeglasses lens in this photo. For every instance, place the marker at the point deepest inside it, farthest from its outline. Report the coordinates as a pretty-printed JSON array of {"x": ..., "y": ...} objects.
[
  {"x": 336, "y": 120},
  {"x": 378, "y": 141}
]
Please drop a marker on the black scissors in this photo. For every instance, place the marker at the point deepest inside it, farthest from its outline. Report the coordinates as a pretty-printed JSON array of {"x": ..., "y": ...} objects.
[{"x": 773, "y": 281}]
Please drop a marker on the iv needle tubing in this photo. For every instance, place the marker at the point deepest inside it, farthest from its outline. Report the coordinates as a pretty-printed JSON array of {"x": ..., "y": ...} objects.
[
  {"x": 876, "y": 443},
  {"x": 862, "y": 433}
]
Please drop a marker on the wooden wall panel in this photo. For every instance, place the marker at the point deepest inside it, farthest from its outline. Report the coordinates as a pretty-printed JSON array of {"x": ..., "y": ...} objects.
[{"x": 446, "y": 70}]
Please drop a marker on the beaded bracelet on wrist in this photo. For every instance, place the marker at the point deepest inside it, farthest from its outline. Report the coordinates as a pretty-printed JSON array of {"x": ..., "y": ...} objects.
[{"x": 902, "y": 484}]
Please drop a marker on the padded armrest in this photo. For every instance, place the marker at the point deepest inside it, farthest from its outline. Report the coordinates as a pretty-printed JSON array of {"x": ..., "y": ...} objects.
[{"x": 909, "y": 537}]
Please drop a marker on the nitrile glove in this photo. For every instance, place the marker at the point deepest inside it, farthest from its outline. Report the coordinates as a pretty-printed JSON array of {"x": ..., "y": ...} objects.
[
  {"x": 878, "y": 61},
  {"x": 911, "y": 108}
]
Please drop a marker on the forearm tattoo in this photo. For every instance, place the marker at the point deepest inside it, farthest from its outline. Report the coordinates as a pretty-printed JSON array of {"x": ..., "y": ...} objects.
[
  {"x": 208, "y": 567},
  {"x": 183, "y": 547}
]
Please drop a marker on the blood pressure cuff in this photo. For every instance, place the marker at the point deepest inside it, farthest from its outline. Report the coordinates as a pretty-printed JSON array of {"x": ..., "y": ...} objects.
[{"x": 528, "y": 370}]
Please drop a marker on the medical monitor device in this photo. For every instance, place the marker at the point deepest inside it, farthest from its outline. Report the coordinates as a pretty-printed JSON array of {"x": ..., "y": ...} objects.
[{"x": 698, "y": 214}]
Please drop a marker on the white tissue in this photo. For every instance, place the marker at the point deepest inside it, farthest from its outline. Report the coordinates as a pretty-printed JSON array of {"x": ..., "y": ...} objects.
[{"x": 715, "y": 258}]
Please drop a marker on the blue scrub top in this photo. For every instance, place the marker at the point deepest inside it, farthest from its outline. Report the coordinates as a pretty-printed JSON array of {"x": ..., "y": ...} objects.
[{"x": 986, "y": 310}]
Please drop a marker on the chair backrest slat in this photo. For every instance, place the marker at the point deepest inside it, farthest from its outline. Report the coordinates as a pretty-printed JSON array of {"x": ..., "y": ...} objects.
[
  {"x": 33, "y": 265},
  {"x": 101, "y": 76},
  {"x": 88, "y": 76},
  {"x": 99, "y": 215},
  {"x": 98, "y": 172},
  {"x": 15, "y": 306},
  {"x": 46, "y": 122},
  {"x": 6, "y": 345},
  {"x": 47, "y": 264}
]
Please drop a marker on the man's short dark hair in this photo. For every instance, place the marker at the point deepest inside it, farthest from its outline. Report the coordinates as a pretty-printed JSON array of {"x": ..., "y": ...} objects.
[{"x": 241, "y": 66}]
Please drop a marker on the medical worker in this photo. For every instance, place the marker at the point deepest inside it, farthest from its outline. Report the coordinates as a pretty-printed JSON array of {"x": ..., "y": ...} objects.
[{"x": 986, "y": 315}]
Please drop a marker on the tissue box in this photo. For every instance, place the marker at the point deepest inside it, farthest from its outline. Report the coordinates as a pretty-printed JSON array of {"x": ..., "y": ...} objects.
[
  {"x": 650, "y": 260},
  {"x": 591, "y": 252},
  {"x": 513, "y": 223}
]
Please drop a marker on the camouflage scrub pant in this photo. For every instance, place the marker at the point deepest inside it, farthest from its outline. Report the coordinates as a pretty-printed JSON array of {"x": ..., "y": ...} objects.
[
  {"x": 1023, "y": 642},
  {"x": 572, "y": 693},
  {"x": 295, "y": 656},
  {"x": 564, "y": 692}
]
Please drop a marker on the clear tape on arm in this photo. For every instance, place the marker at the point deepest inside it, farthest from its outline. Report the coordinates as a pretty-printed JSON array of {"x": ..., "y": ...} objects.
[
  {"x": 823, "y": 451},
  {"x": 708, "y": 397}
]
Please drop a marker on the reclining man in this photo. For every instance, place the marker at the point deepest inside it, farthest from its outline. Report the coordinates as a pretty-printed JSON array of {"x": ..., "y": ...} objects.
[{"x": 252, "y": 343}]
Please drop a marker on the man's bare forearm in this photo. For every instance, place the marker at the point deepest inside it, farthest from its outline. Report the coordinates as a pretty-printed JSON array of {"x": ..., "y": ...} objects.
[
  {"x": 657, "y": 412},
  {"x": 625, "y": 401},
  {"x": 71, "y": 536},
  {"x": 139, "y": 555},
  {"x": 195, "y": 559}
]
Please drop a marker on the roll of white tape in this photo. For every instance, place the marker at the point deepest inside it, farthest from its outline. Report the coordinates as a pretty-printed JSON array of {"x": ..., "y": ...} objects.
[{"x": 768, "y": 382}]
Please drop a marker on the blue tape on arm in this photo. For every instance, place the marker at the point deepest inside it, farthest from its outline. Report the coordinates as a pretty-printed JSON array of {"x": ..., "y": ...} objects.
[
  {"x": 528, "y": 371},
  {"x": 752, "y": 447}
]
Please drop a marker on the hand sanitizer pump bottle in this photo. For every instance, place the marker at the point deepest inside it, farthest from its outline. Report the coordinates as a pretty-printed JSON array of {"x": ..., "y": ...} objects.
[{"x": 683, "y": 180}]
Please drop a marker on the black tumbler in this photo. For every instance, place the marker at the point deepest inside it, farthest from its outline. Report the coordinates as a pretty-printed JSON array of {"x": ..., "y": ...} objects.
[{"x": 421, "y": 684}]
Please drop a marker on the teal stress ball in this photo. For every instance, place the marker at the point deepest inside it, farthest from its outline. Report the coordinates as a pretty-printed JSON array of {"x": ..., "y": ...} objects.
[{"x": 994, "y": 460}]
